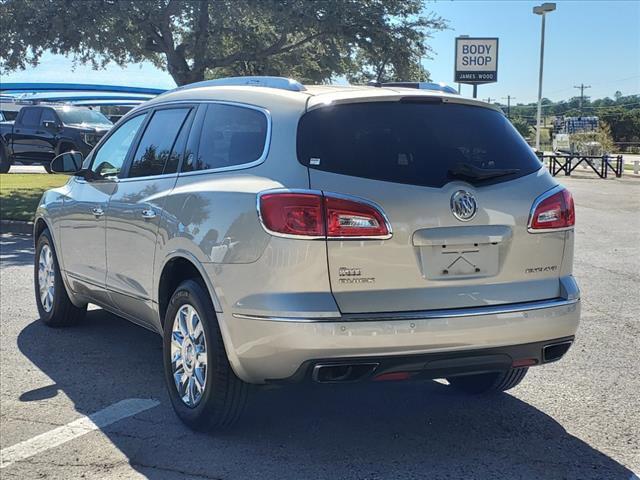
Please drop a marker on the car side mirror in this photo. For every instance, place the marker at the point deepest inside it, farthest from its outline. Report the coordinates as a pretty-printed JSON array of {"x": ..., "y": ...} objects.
[
  {"x": 68, "y": 163},
  {"x": 49, "y": 125}
]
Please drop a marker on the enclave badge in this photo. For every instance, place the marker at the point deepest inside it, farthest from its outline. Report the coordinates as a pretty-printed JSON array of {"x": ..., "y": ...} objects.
[{"x": 463, "y": 205}]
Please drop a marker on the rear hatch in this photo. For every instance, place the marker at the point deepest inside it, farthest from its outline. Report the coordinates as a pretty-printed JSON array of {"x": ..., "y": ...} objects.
[{"x": 424, "y": 162}]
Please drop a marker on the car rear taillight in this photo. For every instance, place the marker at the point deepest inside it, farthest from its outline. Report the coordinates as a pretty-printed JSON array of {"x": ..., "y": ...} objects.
[
  {"x": 353, "y": 218},
  {"x": 298, "y": 214},
  {"x": 553, "y": 210},
  {"x": 314, "y": 214}
]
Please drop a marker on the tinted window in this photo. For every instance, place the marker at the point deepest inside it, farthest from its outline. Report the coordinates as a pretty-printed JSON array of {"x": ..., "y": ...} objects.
[
  {"x": 412, "y": 143},
  {"x": 156, "y": 144},
  {"x": 48, "y": 116},
  {"x": 31, "y": 116},
  {"x": 77, "y": 116},
  {"x": 179, "y": 145},
  {"x": 230, "y": 136},
  {"x": 109, "y": 158}
]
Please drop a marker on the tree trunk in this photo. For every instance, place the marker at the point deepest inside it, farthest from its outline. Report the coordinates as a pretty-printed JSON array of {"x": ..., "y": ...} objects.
[{"x": 183, "y": 75}]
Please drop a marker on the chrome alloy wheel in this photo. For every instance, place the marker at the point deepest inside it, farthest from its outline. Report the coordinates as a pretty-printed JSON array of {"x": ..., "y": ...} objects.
[
  {"x": 46, "y": 277},
  {"x": 189, "y": 355}
]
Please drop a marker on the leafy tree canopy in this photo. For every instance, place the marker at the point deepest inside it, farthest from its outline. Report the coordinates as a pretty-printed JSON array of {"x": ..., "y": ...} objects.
[
  {"x": 197, "y": 39},
  {"x": 522, "y": 126}
]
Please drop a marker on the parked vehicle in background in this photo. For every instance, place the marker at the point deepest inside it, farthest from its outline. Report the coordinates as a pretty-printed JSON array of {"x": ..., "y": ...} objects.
[
  {"x": 277, "y": 233},
  {"x": 39, "y": 133},
  {"x": 562, "y": 143}
]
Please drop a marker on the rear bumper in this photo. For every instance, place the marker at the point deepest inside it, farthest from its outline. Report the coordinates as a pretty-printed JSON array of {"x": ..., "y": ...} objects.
[
  {"x": 263, "y": 350},
  {"x": 430, "y": 365}
]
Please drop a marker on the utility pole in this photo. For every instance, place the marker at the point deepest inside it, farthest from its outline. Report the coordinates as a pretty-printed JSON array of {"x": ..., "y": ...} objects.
[
  {"x": 541, "y": 10},
  {"x": 509, "y": 97},
  {"x": 582, "y": 86},
  {"x": 489, "y": 99}
]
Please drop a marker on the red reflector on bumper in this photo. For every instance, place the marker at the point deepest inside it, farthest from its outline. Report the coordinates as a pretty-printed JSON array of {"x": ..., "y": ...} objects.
[
  {"x": 391, "y": 376},
  {"x": 524, "y": 362}
]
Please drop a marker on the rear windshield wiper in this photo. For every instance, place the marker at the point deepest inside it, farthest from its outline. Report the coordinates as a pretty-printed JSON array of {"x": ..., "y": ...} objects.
[{"x": 469, "y": 171}]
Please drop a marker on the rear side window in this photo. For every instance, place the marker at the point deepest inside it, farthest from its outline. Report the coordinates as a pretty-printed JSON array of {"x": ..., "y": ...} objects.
[
  {"x": 31, "y": 116},
  {"x": 156, "y": 145},
  {"x": 231, "y": 136},
  {"x": 412, "y": 143}
]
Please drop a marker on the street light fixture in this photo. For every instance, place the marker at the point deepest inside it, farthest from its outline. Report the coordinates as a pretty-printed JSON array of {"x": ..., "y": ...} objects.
[{"x": 541, "y": 10}]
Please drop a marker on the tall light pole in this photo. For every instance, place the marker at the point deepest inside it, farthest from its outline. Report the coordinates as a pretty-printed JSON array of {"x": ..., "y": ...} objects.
[{"x": 541, "y": 10}]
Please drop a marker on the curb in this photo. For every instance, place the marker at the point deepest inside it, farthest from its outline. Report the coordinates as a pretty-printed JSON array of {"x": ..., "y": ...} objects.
[{"x": 16, "y": 226}]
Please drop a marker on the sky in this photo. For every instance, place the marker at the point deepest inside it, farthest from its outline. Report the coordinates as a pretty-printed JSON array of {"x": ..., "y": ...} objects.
[{"x": 592, "y": 42}]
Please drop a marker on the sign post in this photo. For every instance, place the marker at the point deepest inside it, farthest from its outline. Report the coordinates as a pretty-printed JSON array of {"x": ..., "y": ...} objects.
[{"x": 476, "y": 61}]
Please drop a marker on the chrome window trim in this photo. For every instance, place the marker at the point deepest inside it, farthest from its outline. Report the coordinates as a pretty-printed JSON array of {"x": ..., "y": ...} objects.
[
  {"x": 146, "y": 177},
  {"x": 423, "y": 314},
  {"x": 125, "y": 180},
  {"x": 328, "y": 194},
  {"x": 538, "y": 201},
  {"x": 240, "y": 166}
]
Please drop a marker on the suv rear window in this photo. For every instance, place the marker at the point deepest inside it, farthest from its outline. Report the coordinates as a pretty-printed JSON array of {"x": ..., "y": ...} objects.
[{"x": 412, "y": 143}]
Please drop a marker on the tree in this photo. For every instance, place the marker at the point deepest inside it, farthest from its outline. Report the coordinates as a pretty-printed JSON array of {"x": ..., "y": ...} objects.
[
  {"x": 584, "y": 140},
  {"x": 522, "y": 126},
  {"x": 197, "y": 39}
]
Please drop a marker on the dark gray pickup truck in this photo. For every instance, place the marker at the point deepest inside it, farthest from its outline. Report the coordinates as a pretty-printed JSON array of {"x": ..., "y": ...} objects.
[{"x": 39, "y": 133}]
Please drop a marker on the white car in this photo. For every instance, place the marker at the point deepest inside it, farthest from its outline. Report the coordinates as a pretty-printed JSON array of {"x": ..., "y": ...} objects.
[{"x": 274, "y": 232}]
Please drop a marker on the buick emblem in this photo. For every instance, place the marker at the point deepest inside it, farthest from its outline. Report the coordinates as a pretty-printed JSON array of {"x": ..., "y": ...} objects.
[{"x": 463, "y": 205}]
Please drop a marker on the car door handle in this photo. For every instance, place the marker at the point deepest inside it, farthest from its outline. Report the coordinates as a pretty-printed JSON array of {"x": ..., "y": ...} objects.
[
  {"x": 148, "y": 213},
  {"x": 97, "y": 212}
]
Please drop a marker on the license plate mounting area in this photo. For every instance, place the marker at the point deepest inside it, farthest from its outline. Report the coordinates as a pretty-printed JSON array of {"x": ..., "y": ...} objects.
[{"x": 449, "y": 253}]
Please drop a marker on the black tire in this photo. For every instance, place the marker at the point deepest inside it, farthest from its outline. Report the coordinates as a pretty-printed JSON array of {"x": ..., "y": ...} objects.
[
  {"x": 224, "y": 395},
  {"x": 61, "y": 312},
  {"x": 488, "y": 382},
  {"x": 5, "y": 164}
]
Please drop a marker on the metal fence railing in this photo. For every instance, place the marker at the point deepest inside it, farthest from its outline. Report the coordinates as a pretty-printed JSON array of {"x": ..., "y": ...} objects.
[{"x": 602, "y": 165}]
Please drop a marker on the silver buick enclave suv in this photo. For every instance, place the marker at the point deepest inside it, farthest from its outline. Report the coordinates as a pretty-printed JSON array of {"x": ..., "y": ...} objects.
[{"x": 273, "y": 233}]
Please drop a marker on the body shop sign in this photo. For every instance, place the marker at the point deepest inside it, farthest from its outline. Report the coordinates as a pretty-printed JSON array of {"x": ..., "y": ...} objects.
[{"x": 476, "y": 60}]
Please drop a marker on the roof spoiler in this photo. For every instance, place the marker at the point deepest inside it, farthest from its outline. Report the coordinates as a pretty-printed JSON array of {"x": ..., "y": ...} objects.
[
  {"x": 282, "y": 83},
  {"x": 439, "y": 87}
]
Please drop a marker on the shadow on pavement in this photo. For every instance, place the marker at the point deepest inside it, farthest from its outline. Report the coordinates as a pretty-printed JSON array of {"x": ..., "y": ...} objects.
[
  {"x": 16, "y": 250},
  {"x": 366, "y": 431}
]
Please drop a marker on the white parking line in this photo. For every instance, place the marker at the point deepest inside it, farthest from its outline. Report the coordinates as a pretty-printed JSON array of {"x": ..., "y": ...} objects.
[{"x": 77, "y": 428}]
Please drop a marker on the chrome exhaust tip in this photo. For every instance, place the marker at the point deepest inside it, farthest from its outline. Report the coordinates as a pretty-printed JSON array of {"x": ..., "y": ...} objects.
[{"x": 555, "y": 351}]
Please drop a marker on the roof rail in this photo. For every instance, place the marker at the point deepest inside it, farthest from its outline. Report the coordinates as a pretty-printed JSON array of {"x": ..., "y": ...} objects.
[
  {"x": 440, "y": 86},
  {"x": 258, "y": 81}
]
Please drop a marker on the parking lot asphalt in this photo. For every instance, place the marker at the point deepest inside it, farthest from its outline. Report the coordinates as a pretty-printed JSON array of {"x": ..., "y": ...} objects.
[{"x": 575, "y": 419}]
